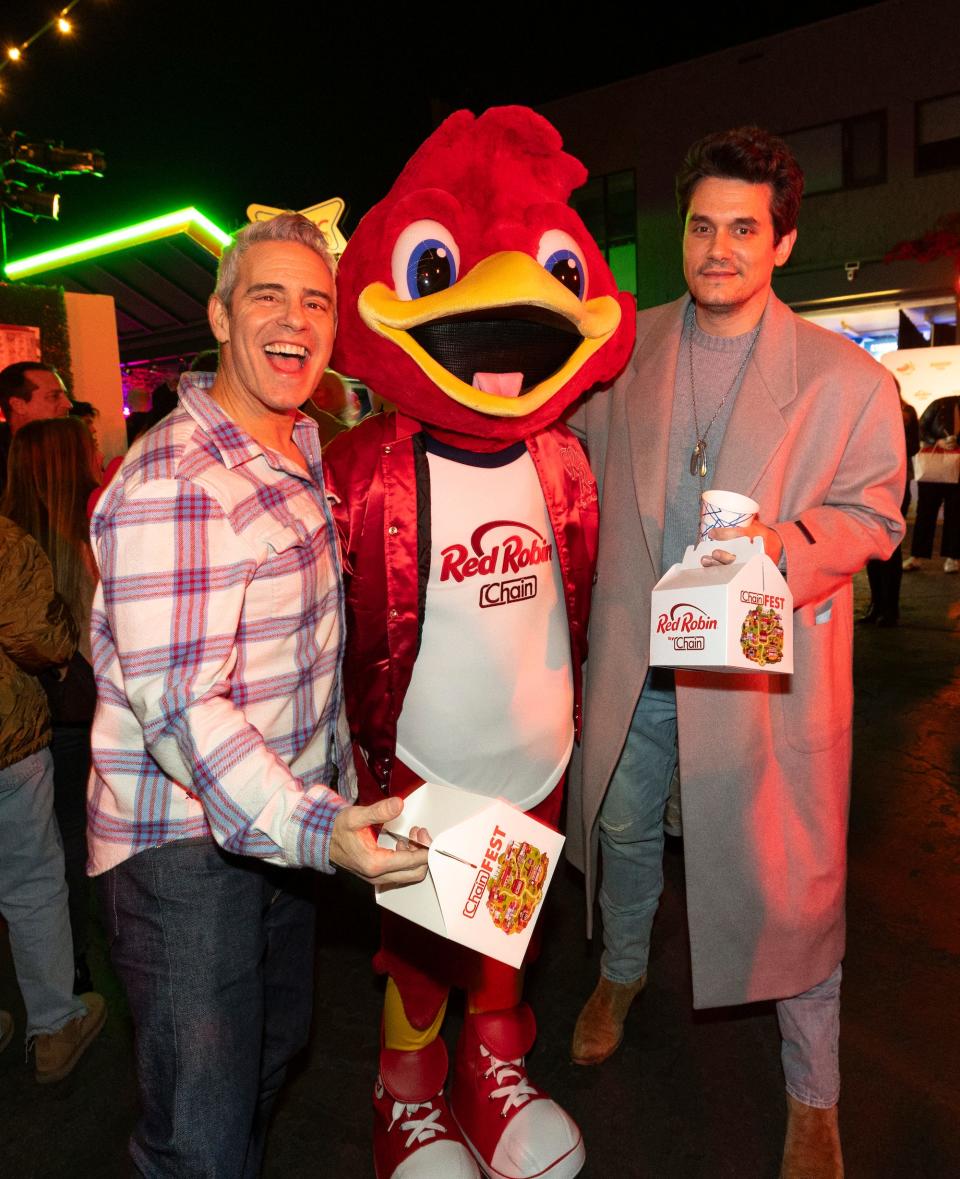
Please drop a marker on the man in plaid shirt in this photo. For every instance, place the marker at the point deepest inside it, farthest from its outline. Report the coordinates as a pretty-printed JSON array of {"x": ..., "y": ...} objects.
[{"x": 222, "y": 758}]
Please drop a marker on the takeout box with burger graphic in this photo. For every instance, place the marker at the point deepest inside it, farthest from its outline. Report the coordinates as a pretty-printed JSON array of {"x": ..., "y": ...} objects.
[
  {"x": 489, "y": 868},
  {"x": 735, "y": 617}
]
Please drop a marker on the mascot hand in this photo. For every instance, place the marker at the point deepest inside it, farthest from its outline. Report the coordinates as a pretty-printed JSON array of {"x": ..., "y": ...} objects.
[{"x": 353, "y": 845}]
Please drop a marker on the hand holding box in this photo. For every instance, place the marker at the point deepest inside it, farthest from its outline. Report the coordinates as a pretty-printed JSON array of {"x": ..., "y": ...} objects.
[
  {"x": 736, "y": 617},
  {"x": 489, "y": 868}
]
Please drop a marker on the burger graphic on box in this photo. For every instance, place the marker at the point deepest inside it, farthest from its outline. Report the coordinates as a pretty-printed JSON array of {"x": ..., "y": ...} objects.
[
  {"x": 761, "y": 636},
  {"x": 516, "y": 889}
]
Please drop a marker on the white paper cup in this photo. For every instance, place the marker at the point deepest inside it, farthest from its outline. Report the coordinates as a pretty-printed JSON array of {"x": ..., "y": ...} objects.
[{"x": 725, "y": 509}]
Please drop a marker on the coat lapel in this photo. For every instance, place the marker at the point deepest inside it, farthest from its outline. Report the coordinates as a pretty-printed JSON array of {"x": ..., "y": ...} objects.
[
  {"x": 649, "y": 404},
  {"x": 757, "y": 426}
]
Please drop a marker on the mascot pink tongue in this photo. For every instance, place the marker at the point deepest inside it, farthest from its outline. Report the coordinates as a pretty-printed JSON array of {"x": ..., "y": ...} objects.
[
  {"x": 503, "y": 384},
  {"x": 473, "y": 299}
]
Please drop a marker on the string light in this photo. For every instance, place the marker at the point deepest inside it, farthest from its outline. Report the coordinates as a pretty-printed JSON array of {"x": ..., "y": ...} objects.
[{"x": 59, "y": 22}]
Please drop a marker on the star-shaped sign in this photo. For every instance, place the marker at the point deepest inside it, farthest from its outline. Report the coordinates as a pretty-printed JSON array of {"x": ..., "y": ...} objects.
[{"x": 325, "y": 216}]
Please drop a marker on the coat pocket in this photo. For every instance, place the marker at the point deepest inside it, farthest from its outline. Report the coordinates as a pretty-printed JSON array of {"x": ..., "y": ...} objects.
[{"x": 818, "y": 704}]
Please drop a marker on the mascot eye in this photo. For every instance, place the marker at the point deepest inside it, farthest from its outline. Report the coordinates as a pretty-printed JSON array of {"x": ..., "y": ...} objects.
[
  {"x": 425, "y": 260},
  {"x": 559, "y": 253}
]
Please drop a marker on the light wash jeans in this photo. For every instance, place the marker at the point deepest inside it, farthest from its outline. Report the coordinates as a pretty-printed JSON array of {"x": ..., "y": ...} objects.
[
  {"x": 33, "y": 895},
  {"x": 631, "y": 842}
]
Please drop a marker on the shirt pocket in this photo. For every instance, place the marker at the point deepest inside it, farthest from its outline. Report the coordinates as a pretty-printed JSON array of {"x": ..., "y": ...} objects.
[{"x": 294, "y": 578}]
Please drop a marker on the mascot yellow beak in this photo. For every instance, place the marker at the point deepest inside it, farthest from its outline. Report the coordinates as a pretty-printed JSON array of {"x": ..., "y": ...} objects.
[{"x": 468, "y": 338}]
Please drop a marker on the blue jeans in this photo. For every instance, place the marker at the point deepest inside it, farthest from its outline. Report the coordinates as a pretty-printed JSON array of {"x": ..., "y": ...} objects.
[
  {"x": 631, "y": 831},
  {"x": 33, "y": 895},
  {"x": 810, "y": 1042},
  {"x": 631, "y": 843},
  {"x": 216, "y": 954}
]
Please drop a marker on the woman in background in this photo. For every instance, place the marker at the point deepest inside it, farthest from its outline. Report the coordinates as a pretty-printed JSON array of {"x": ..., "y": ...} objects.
[
  {"x": 885, "y": 576},
  {"x": 936, "y": 488},
  {"x": 51, "y": 472}
]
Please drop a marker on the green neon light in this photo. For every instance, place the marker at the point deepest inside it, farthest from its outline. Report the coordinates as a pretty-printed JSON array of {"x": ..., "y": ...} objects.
[{"x": 189, "y": 221}]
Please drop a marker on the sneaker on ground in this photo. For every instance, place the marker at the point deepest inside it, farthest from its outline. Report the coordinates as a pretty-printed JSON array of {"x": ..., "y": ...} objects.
[
  {"x": 514, "y": 1129},
  {"x": 951, "y": 565},
  {"x": 419, "y": 1141},
  {"x": 911, "y": 564},
  {"x": 56, "y": 1053}
]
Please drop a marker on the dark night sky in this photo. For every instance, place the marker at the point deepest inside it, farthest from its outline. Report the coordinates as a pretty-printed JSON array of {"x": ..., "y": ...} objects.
[{"x": 193, "y": 106}]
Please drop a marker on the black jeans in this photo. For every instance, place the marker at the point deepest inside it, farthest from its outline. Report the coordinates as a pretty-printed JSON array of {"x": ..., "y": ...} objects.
[
  {"x": 929, "y": 498},
  {"x": 71, "y": 769}
]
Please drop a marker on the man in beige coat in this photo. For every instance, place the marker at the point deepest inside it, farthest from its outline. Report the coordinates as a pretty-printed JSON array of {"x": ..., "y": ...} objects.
[{"x": 727, "y": 388}]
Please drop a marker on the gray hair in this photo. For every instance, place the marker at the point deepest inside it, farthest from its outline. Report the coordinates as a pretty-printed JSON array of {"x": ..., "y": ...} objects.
[{"x": 287, "y": 227}]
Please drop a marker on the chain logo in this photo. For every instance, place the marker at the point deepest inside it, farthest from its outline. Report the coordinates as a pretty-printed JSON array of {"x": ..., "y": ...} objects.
[
  {"x": 489, "y": 862},
  {"x": 773, "y": 601},
  {"x": 501, "y": 593}
]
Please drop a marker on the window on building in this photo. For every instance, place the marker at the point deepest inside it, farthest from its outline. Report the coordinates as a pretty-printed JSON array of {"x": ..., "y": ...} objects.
[
  {"x": 848, "y": 154},
  {"x": 938, "y": 133},
  {"x": 608, "y": 207}
]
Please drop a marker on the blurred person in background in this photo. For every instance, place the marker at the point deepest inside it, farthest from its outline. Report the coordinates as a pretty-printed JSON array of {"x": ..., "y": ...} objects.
[
  {"x": 938, "y": 469},
  {"x": 88, "y": 413},
  {"x": 333, "y": 406},
  {"x": 885, "y": 576},
  {"x": 163, "y": 400},
  {"x": 29, "y": 392},
  {"x": 52, "y": 470},
  {"x": 36, "y": 632},
  {"x": 205, "y": 361}
]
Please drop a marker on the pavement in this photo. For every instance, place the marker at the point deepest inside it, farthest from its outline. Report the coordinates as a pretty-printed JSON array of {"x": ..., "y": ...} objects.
[{"x": 689, "y": 1095}]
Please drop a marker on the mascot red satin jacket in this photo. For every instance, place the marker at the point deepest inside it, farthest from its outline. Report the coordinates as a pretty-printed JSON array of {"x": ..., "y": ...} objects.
[{"x": 473, "y": 299}]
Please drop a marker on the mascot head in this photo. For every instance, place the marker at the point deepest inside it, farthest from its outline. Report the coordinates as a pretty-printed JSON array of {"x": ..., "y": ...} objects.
[{"x": 472, "y": 296}]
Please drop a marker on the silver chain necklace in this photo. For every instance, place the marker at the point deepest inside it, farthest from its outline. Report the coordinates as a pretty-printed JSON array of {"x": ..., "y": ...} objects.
[{"x": 698, "y": 457}]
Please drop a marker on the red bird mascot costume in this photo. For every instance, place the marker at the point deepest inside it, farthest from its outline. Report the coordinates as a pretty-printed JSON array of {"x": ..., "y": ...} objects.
[{"x": 474, "y": 300}]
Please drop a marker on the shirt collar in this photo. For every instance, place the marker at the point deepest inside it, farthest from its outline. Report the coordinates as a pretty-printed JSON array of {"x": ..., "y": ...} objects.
[{"x": 234, "y": 445}]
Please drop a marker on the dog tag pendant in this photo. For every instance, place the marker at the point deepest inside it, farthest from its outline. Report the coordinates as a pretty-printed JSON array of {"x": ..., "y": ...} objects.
[{"x": 698, "y": 460}]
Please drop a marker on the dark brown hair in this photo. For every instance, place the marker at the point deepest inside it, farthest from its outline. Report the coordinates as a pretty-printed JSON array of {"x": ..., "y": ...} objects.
[
  {"x": 750, "y": 154},
  {"x": 50, "y": 474}
]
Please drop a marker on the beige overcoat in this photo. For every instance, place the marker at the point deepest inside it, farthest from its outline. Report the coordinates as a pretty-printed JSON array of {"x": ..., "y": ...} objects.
[{"x": 816, "y": 438}]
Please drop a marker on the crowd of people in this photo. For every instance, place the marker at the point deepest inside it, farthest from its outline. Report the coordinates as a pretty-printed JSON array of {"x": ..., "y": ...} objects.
[{"x": 209, "y": 591}]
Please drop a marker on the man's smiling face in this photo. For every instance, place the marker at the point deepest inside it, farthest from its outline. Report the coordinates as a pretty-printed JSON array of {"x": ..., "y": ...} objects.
[
  {"x": 729, "y": 252},
  {"x": 277, "y": 333}
]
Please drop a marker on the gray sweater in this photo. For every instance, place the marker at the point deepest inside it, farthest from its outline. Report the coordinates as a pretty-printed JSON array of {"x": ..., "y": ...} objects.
[{"x": 717, "y": 365}]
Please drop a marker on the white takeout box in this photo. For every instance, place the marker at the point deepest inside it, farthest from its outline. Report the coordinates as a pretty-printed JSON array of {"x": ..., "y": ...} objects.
[
  {"x": 735, "y": 617},
  {"x": 455, "y": 898}
]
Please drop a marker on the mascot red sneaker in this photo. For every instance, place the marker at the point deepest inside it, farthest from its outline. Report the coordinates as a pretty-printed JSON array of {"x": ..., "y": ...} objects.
[{"x": 473, "y": 299}]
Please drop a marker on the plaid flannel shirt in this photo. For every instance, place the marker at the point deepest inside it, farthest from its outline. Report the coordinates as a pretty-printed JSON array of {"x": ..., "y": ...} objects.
[{"x": 217, "y": 640}]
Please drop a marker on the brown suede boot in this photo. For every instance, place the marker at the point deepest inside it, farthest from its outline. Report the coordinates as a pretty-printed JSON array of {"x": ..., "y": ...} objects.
[
  {"x": 811, "y": 1149},
  {"x": 599, "y": 1028},
  {"x": 56, "y": 1053}
]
